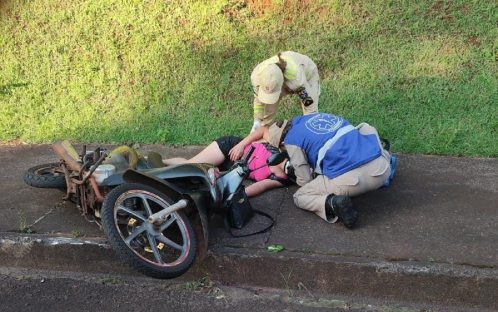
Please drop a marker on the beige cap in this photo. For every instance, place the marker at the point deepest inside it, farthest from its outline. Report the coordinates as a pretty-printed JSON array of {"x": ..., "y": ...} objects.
[
  {"x": 268, "y": 78},
  {"x": 275, "y": 132}
]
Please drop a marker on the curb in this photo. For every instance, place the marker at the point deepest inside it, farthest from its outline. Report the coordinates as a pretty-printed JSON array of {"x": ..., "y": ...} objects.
[
  {"x": 431, "y": 283},
  {"x": 427, "y": 283},
  {"x": 59, "y": 253}
]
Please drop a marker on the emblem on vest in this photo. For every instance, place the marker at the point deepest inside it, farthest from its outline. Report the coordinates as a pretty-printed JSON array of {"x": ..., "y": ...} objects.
[{"x": 324, "y": 123}]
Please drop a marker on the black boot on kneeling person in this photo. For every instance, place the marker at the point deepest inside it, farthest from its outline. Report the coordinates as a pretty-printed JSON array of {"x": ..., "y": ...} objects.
[{"x": 342, "y": 207}]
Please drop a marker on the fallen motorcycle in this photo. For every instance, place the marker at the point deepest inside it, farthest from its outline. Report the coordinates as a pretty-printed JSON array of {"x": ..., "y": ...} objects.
[{"x": 155, "y": 217}]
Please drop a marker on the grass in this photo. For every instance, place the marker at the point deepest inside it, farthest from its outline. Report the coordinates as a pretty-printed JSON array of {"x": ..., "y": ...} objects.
[
  {"x": 203, "y": 284},
  {"x": 112, "y": 281},
  {"x": 24, "y": 226},
  {"x": 177, "y": 72},
  {"x": 77, "y": 234}
]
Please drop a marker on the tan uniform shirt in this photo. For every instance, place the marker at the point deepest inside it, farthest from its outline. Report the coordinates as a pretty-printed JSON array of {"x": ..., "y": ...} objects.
[{"x": 300, "y": 72}]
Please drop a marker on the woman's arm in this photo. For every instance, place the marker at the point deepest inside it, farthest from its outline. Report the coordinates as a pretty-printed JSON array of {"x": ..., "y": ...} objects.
[
  {"x": 261, "y": 186},
  {"x": 238, "y": 150}
]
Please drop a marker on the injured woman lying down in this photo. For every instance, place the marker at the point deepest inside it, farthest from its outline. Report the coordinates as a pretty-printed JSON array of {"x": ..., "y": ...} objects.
[{"x": 224, "y": 151}]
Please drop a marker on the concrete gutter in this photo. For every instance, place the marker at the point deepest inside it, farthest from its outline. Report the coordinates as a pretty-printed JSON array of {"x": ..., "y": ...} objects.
[{"x": 425, "y": 283}]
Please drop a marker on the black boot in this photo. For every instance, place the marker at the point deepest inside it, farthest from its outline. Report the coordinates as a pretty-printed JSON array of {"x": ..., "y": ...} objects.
[{"x": 342, "y": 207}]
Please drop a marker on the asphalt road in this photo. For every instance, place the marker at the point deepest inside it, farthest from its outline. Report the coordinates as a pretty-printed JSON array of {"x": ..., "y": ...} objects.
[{"x": 35, "y": 290}]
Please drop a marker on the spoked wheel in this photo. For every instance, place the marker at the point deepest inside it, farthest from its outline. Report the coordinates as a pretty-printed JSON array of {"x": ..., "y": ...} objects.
[
  {"x": 162, "y": 251},
  {"x": 45, "y": 176}
]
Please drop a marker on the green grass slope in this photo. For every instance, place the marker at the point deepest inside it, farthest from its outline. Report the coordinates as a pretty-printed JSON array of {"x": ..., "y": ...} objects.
[{"x": 425, "y": 73}]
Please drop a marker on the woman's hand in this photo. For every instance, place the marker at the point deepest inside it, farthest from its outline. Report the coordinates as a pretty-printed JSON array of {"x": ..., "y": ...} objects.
[{"x": 236, "y": 152}]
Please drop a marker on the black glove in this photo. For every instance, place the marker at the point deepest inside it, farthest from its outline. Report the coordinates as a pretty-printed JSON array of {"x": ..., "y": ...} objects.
[{"x": 306, "y": 100}]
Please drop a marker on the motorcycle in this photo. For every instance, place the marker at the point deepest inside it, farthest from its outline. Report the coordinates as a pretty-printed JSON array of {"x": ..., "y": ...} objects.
[{"x": 154, "y": 217}]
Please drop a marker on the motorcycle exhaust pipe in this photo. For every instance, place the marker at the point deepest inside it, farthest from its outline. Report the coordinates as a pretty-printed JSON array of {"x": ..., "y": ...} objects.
[{"x": 159, "y": 217}]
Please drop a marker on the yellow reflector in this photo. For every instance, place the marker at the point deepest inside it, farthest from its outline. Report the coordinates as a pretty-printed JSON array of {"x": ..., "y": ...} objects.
[{"x": 160, "y": 246}]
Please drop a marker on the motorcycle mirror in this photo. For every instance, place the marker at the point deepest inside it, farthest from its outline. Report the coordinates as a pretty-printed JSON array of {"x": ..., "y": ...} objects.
[{"x": 275, "y": 159}]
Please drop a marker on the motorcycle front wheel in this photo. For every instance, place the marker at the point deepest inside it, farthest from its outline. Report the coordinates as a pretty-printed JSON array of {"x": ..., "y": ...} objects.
[{"x": 161, "y": 251}]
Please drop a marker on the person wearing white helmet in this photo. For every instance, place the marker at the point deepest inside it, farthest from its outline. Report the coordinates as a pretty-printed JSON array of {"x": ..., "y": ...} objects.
[{"x": 284, "y": 74}]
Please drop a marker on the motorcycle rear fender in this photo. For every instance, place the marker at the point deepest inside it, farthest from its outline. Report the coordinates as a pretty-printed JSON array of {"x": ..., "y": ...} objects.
[
  {"x": 173, "y": 192},
  {"x": 179, "y": 171},
  {"x": 199, "y": 171},
  {"x": 172, "y": 172}
]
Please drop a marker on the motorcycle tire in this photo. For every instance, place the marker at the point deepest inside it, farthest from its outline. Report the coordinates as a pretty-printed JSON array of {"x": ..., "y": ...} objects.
[
  {"x": 145, "y": 248},
  {"x": 45, "y": 176}
]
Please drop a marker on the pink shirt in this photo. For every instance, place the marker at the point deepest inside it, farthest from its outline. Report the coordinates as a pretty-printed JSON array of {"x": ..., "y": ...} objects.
[{"x": 257, "y": 162}]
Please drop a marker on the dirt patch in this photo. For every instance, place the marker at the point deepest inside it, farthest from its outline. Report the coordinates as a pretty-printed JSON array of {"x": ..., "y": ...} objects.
[
  {"x": 474, "y": 41},
  {"x": 259, "y": 7},
  {"x": 12, "y": 143},
  {"x": 441, "y": 9}
]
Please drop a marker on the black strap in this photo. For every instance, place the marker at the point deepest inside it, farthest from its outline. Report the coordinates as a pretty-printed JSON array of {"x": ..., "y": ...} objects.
[
  {"x": 282, "y": 64},
  {"x": 256, "y": 211},
  {"x": 270, "y": 148}
]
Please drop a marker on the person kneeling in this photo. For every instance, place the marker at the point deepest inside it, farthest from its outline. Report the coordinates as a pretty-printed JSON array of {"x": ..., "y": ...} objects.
[{"x": 332, "y": 161}]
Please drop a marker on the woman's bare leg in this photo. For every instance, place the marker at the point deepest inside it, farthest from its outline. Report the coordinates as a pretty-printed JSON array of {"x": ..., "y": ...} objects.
[
  {"x": 211, "y": 155},
  {"x": 175, "y": 161}
]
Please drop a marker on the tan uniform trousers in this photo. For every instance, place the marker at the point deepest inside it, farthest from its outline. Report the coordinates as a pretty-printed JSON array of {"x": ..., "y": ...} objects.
[{"x": 368, "y": 177}]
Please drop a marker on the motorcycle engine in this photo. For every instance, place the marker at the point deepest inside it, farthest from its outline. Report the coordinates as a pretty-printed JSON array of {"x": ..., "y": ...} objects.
[{"x": 103, "y": 172}]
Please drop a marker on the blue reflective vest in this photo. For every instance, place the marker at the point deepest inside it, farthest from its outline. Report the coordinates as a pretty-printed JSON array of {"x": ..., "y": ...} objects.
[{"x": 331, "y": 144}]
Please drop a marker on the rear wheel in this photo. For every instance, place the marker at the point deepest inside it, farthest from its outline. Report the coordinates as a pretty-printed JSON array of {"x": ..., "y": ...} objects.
[
  {"x": 162, "y": 251},
  {"x": 45, "y": 176}
]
